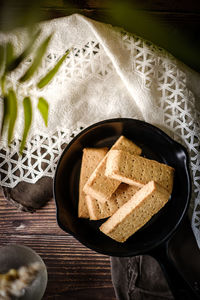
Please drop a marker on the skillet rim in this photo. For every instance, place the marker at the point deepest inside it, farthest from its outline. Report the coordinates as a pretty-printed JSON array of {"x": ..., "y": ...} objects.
[{"x": 187, "y": 199}]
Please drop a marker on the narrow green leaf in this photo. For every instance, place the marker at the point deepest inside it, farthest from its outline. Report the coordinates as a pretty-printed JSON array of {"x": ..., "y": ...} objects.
[
  {"x": 1, "y": 57},
  {"x": 43, "y": 107},
  {"x": 12, "y": 109},
  {"x": 49, "y": 76},
  {"x": 5, "y": 114},
  {"x": 37, "y": 60},
  {"x": 27, "y": 121},
  {"x": 2, "y": 81},
  {"x": 17, "y": 60},
  {"x": 9, "y": 55}
]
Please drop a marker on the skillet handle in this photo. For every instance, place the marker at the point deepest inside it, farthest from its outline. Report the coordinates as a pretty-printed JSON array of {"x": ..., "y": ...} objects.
[{"x": 180, "y": 289}]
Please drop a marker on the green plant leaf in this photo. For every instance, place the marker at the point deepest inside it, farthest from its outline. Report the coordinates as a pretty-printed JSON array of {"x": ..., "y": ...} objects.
[
  {"x": 1, "y": 57},
  {"x": 3, "y": 79},
  {"x": 27, "y": 121},
  {"x": 43, "y": 107},
  {"x": 9, "y": 55},
  {"x": 49, "y": 76},
  {"x": 12, "y": 110},
  {"x": 37, "y": 60},
  {"x": 17, "y": 60},
  {"x": 5, "y": 114}
]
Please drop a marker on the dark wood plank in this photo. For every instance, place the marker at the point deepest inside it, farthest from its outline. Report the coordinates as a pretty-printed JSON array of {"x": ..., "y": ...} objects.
[
  {"x": 72, "y": 268},
  {"x": 74, "y": 271},
  {"x": 43, "y": 221}
]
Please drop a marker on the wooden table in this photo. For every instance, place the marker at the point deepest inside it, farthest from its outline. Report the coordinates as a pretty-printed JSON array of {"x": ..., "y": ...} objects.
[{"x": 74, "y": 271}]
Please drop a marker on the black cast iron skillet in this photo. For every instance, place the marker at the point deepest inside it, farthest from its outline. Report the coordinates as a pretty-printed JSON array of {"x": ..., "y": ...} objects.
[{"x": 154, "y": 237}]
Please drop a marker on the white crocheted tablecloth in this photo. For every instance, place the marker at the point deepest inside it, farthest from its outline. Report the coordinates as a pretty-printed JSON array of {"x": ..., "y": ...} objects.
[{"x": 109, "y": 73}]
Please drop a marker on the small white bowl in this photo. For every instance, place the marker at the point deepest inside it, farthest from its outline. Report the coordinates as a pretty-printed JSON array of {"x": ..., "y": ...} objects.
[{"x": 14, "y": 256}]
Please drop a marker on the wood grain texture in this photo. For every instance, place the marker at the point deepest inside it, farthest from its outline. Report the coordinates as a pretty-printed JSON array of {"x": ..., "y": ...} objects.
[{"x": 74, "y": 271}]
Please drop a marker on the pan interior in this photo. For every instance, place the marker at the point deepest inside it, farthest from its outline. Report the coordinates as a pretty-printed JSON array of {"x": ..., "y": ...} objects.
[{"x": 155, "y": 145}]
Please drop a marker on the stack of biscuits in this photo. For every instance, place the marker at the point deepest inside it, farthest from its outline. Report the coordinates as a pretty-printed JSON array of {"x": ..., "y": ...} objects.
[{"x": 122, "y": 186}]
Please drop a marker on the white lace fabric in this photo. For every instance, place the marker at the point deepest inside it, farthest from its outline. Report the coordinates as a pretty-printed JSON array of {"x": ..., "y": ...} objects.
[{"x": 109, "y": 73}]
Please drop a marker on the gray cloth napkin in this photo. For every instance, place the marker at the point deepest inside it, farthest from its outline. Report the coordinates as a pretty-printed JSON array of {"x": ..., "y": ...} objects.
[
  {"x": 28, "y": 196},
  {"x": 139, "y": 278}
]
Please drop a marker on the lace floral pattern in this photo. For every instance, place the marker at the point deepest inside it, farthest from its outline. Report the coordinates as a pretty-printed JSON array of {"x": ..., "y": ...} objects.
[{"x": 177, "y": 103}]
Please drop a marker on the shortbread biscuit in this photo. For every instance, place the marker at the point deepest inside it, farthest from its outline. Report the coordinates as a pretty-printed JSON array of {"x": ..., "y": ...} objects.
[
  {"x": 125, "y": 144},
  {"x": 90, "y": 159},
  {"x": 137, "y": 170},
  {"x": 98, "y": 185},
  {"x": 98, "y": 210},
  {"x": 135, "y": 213}
]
